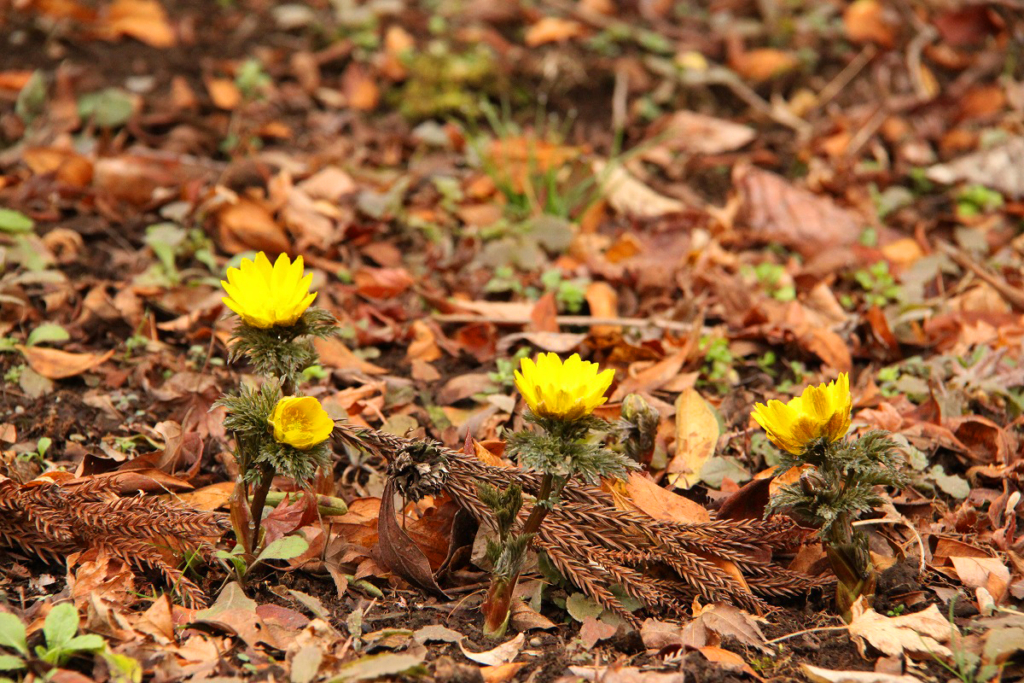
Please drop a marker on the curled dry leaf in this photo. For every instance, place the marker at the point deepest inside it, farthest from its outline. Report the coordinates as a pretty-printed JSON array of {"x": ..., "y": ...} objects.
[
  {"x": 247, "y": 225},
  {"x": 921, "y": 633},
  {"x": 629, "y": 196},
  {"x": 502, "y": 654},
  {"x": 55, "y": 364},
  {"x": 399, "y": 551}
]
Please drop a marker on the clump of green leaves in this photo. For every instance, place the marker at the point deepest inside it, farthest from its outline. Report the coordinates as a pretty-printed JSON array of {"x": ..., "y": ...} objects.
[
  {"x": 834, "y": 493},
  {"x": 283, "y": 352},
  {"x": 975, "y": 200},
  {"x": 718, "y": 363},
  {"x": 248, "y": 415},
  {"x": 443, "y": 82},
  {"x": 772, "y": 278},
  {"x": 569, "y": 294},
  {"x": 879, "y": 285},
  {"x": 62, "y": 645}
]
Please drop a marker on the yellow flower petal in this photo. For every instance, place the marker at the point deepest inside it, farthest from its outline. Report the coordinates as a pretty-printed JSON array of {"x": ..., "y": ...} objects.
[
  {"x": 301, "y": 422},
  {"x": 564, "y": 391},
  {"x": 265, "y": 295},
  {"x": 819, "y": 412}
]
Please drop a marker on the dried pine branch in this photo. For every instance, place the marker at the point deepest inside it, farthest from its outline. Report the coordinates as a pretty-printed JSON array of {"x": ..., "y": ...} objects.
[
  {"x": 52, "y": 520},
  {"x": 595, "y": 544}
]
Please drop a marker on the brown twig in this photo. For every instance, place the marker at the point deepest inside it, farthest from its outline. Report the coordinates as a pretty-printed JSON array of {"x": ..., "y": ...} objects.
[
  {"x": 1011, "y": 294},
  {"x": 574, "y": 320}
]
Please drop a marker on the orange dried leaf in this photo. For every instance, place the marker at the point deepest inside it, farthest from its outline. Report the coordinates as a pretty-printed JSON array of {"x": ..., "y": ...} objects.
[
  {"x": 247, "y": 225},
  {"x": 56, "y": 364},
  {"x": 144, "y": 20},
  {"x": 553, "y": 30},
  {"x": 224, "y": 93},
  {"x": 697, "y": 435}
]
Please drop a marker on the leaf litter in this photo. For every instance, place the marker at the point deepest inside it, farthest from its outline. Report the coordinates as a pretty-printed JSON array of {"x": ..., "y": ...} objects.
[{"x": 727, "y": 221}]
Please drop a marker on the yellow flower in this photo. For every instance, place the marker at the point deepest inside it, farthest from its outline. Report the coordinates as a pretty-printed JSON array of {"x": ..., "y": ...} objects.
[
  {"x": 819, "y": 412},
  {"x": 300, "y": 421},
  {"x": 564, "y": 391},
  {"x": 265, "y": 295}
]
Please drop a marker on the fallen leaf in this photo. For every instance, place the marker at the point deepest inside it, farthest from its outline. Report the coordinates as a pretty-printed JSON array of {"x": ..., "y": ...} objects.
[
  {"x": 552, "y": 30},
  {"x": 691, "y": 133},
  {"x": 224, "y": 93},
  {"x": 776, "y": 211},
  {"x": 920, "y": 633},
  {"x": 360, "y": 88},
  {"x": 56, "y": 364},
  {"x": 388, "y": 664},
  {"x": 697, "y": 435},
  {"x": 400, "y": 553},
  {"x": 144, "y": 20},
  {"x": 627, "y": 674},
  {"x": 502, "y": 672},
  {"x": 866, "y": 21},
  {"x": 424, "y": 345},
  {"x": 382, "y": 283},
  {"x": 644, "y": 494},
  {"x": 997, "y": 168},
  {"x": 247, "y": 225},
  {"x": 336, "y": 355},
  {"x": 732, "y": 622},
  {"x": 729, "y": 660},
  {"x": 629, "y": 196},
  {"x": 818, "y": 675},
  {"x": 983, "y": 572},
  {"x": 502, "y": 654},
  {"x": 762, "y": 64},
  {"x": 525, "y": 618},
  {"x": 594, "y": 630},
  {"x": 68, "y": 166},
  {"x": 653, "y": 377},
  {"x": 436, "y": 633}
]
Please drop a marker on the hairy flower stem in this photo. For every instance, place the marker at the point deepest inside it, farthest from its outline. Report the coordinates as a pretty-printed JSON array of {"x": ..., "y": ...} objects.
[
  {"x": 498, "y": 603},
  {"x": 847, "y": 552},
  {"x": 266, "y": 480}
]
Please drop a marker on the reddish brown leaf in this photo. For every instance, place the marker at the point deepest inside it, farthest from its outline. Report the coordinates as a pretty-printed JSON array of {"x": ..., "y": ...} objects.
[{"x": 399, "y": 552}]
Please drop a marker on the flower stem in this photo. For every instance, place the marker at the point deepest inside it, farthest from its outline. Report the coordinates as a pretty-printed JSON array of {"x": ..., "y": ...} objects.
[
  {"x": 259, "y": 500},
  {"x": 498, "y": 603}
]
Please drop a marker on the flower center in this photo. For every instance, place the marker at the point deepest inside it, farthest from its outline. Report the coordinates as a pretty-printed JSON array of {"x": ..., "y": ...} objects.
[{"x": 296, "y": 421}]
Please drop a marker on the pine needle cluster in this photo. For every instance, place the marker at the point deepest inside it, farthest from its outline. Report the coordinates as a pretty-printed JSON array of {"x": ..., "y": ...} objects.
[
  {"x": 604, "y": 550},
  {"x": 52, "y": 520}
]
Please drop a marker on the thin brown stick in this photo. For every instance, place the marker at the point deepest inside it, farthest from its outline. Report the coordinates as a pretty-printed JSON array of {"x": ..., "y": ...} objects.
[{"x": 574, "y": 320}]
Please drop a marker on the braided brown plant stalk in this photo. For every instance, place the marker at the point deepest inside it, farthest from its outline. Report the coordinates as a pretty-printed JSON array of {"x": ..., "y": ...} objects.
[
  {"x": 52, "y": 520},
  {"x": 595, "y": 545}
]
